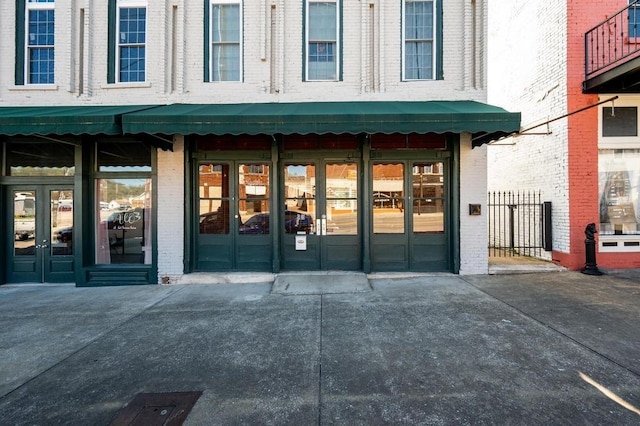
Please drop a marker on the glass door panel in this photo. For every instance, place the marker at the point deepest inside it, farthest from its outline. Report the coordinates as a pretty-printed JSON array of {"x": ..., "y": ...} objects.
[
  {"x": 24, "y": 222},
  {"x": 342, "y": 199},
  {"x": 388, "y": 198},
  {"x": 61, "y": 222}
]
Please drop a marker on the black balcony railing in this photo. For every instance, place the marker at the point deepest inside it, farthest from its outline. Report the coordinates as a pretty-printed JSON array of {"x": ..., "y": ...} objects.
[{"x": 612, "y": 41}]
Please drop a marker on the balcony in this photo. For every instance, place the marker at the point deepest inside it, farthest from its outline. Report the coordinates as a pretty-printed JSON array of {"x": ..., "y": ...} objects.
[{"x": 612, "y": 53}]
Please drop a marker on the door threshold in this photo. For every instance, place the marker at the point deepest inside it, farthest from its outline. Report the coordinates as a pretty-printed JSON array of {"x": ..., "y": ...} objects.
[{"x": 320, "y": 282}]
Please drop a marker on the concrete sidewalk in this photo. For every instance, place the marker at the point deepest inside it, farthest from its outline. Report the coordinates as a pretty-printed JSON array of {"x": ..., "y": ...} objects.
[{"x": 550, "y": 348}]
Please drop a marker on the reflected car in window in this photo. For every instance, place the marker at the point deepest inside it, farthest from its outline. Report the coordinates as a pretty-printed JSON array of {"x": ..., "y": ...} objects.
[{"x": 294, "y": 222}]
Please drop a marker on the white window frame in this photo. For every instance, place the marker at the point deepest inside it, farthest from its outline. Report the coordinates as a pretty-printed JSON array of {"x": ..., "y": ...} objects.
[
  {"x": 27, "y": 49},
  {"x": 240, "y": 40},
  {"x": 337, "y": 39},
  {"x": 434, "y": 60},
  {"x": 124, "y": 4},
  {"x": 619, "y": 142}
]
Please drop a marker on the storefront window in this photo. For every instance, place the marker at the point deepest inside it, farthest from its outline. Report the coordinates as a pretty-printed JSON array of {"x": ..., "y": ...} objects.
[
  {"x": 619, "y": 181},
  {"x": 123, "y": 220}
]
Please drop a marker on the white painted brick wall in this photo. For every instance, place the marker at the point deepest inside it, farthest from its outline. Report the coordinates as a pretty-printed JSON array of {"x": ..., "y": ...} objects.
[
  {"x": 170, "y": 212},
  {"x": 473, "y": 188},
  {"x": 527, "y": 73},
  {"x": 365, "y": 77},
  {"x": 359, "y": 70}
]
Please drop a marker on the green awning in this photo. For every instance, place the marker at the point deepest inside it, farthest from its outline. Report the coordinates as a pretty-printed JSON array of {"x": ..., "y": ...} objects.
[
  {"x": 482, "y": 120},
  {"x": 64, "y": 120}
]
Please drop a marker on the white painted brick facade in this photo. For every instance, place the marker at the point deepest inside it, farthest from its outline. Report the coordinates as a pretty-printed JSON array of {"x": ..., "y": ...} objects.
[
  {"x": 272, "y": 72},
  {"x": 473, "y": 189},
  {"x": 170, "y": 212},
  {"x": 527, "y": 73}
]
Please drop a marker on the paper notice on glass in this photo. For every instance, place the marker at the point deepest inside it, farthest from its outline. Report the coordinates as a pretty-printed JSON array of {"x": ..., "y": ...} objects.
[{"x": 301, "y": 242}]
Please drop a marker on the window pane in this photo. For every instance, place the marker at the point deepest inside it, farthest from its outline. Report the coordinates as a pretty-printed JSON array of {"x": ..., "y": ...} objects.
[
  {"x": 388, "y": 198},
  {"x": 428, "y": 197},
  {"x": 123, "y": 221},
  {"x": 300, "y": 193},
  {"x": 226, "y": 23},
  {"x": 132, "y": 64},
  {"x": 61, "y": 223},
  {"x": 253, "y": 199},
  {"x": 133, "y": 23},
  {"x": 226, "y": 62},
  {"x": 214, "y": 198},
  {"x": 621, "y": 121},
  {"x": 418, "y": 60},
  {"x": 342, "y": 198},
  {"x": 24, "y": 223},
  {"x": 322, "y": 21},
  {"x": 418, "y": 20},
  {"x": 619, "y": 178}
]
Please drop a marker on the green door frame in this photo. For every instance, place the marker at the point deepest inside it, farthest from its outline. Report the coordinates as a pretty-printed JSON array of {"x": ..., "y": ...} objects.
[
  {"x": 259, "y": 244},
  {"x": 43, "y": 266},
  {"x": 319, "y": 247}
]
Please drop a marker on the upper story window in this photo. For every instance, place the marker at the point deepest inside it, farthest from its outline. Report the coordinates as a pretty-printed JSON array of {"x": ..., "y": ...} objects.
[
  {"x": 225, "y": 36},
  {"x": 419, "y": 40},
  {"x": 322, "y": 29},
  {"x": 39, "y": 44},
  {"x": 127, "y": 41}
]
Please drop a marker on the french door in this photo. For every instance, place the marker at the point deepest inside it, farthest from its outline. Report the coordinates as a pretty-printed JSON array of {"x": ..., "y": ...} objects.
[
  {"x": 234, "y": 227},
  {"x": 321, "y": 224},
  {"x": 39, "y": 244}
]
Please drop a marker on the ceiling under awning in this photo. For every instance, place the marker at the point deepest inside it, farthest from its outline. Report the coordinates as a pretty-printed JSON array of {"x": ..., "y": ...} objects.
[
  {"x": 483, "y": 121},
  {"x": 64, "y": 120}
]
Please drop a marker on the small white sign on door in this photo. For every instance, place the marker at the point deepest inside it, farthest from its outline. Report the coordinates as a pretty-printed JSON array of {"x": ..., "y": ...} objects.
[{"x": 301, "y": 242}]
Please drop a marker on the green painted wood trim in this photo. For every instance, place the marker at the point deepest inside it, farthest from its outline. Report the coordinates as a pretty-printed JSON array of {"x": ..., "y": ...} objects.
[
  {"x": 454, "y": 200},
  {"x": 82, "y": 213},
  {"x": 20, "y": 42},
  {"x": 111, "y": 41},
  {"x": 366, "y": 217},
  {"x": 275, "y": 206},
  {"x": 207, "y": 41},
  {"x": 439, "y": 43},
  {"x": 189, "y": 228}
]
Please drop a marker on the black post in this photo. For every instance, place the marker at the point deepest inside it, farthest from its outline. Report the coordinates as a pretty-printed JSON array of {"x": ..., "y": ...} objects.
[{"x": 590, "y": 267}]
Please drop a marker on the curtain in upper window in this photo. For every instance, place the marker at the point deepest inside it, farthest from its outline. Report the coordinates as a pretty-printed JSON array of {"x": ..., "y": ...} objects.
[
  {"x": 418, "y": 40},
  {"x": 322, "y": 40},
  {"x": 225, "y": 42}
]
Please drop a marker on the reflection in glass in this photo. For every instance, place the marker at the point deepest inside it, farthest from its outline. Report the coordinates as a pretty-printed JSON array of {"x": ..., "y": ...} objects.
[
  {"x": 61, "y": 222},
  {"x": 24, "y": 222},
  {"x": 253, "y": 199},
  {"x": 428, "y": 197},
  {"x": 214, "y": 198},
  {"x": 26, "y": 158},
  {"x": 342, "y": 199},
  {"x": 388, "y": 198},
  {"x": 123, "y": 221},
  {"x": 299, "y": 193}
]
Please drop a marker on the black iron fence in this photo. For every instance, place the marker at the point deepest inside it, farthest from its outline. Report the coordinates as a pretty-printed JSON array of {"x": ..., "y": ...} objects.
[
  {"x": 519, "y": 223},
  {"x": 612, "y": 40}
]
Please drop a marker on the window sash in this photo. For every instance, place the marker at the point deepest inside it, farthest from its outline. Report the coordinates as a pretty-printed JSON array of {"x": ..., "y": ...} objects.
[
  {"x": 131, "y": 41},
  {"x": 225, "y": 41},
  {"x": 418, "y": 40},
  {"x": 322, "y": 48},
  {"x": 39, "y": 57}
]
